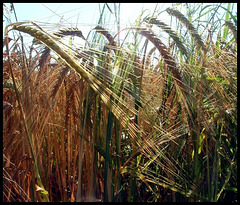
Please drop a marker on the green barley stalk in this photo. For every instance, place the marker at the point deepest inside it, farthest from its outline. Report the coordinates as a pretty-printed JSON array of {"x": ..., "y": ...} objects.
[{"x": 107, "y": 154}]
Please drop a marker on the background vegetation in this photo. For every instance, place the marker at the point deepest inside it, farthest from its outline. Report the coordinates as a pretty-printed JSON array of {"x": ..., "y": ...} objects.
[{"x": 142, "y": 113}]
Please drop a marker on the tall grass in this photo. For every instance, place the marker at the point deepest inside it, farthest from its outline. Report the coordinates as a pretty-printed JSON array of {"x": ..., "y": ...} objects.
[{"x": 141, "y": 118}]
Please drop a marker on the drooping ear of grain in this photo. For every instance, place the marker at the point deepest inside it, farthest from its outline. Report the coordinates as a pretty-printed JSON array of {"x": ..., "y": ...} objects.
[
  {"x": 189, "y": 26},
  {"x": 49, "y": 42},
  {"x": 69, "y": 32},
  {"x": 170, "y": 32},
  {"x": 166, "y": 55},
  {"x": 106, "y": 34},
  {"x": 230, "y": 25}
]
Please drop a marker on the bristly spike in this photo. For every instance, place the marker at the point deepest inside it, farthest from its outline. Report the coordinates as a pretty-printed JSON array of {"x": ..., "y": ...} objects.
[
  {"x": 166, "y": 55},
  {"x": 230, "y": 25},
  {"x": 69, "y": 32},
  {"x": 189, "y": 26},
  {"x": 170, "y": 32}
]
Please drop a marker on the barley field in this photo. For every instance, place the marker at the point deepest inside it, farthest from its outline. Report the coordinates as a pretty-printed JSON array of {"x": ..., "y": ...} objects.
[{"x": 141, "y": 113}]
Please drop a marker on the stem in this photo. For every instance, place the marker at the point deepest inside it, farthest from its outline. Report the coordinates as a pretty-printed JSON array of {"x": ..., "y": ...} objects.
[
  {"x": 108, "y": 138},
  {"x": 81, "y": 154}
]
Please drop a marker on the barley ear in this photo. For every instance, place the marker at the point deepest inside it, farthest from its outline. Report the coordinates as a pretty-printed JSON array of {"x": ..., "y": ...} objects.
[
  {"x": 109, "y": 37},
  {"x": 230, "y": 25},
  {"x": 189, "y": 26},
  {"x": 171, "y": 64},
  {"x": 170, "y": 32}
]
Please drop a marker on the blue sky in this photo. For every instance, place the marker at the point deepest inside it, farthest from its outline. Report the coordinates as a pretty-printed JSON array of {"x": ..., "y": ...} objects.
[
  {"x": 84, "y": 16},
  {"x": 83, "y": 12}
]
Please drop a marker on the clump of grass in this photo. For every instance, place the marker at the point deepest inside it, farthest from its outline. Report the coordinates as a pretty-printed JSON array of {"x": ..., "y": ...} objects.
[{"x": 116, "y": 122}]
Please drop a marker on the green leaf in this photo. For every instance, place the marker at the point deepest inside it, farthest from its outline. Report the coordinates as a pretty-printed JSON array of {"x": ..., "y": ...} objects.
[
  {"x": 42, "y": 190},
  {"x": 201, "y": 138},
  {"x": 204, "y": 12},
  {"x": 226, "y": 19},
  {"x": 109, "y": 8},
  {"x": 124, "y": 170},
  {"x": 192, "y": 154},
  {"x": 234, "y": 189}
]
